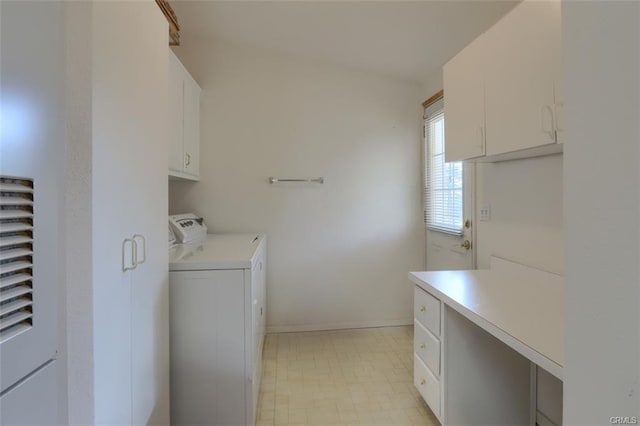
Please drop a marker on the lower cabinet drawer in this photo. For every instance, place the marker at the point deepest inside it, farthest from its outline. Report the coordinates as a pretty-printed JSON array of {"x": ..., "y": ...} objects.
[
  {"x": 427, "y": 384},
  {"x": 426, "y": 309},
  {"x": 427, "y": 346}
]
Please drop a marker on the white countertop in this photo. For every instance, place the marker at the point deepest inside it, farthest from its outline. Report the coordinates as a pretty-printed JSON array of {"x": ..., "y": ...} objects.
[
  {"x": 218, "y": 251},
  {"x": 521, "y": 306}
]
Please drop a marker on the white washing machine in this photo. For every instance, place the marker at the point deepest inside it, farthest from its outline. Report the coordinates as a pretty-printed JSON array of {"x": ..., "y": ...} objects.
[{"x": 217, "y": 289}]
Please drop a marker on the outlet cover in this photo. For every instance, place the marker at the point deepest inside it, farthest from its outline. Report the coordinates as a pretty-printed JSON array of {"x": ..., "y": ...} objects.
[{"x": 485, "y": 213}]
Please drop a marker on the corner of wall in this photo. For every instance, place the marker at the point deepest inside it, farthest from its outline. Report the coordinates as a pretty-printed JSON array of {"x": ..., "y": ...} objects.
[{"x": 77, "y": 317}]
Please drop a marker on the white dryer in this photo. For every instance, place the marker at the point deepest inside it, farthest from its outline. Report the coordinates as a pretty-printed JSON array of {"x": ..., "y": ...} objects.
[{"x": 218, "y": 310}]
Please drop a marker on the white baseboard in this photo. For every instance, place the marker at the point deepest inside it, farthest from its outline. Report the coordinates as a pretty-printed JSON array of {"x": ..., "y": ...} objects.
[{"x": 337, "y": 326}]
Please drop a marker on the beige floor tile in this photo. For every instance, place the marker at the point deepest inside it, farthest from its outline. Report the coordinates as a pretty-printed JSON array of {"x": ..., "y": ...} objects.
[{"x": 347, "y": 377}]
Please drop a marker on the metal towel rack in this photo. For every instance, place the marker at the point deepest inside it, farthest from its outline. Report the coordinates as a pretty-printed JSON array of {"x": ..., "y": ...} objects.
[{"x": 319, "y": 180}]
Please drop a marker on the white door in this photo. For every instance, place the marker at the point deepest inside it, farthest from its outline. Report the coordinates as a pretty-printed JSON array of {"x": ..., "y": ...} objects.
[
  {"x": 446, "y": 251},
  {"x": 32, "y": 149},
  {"x": 448, "y": 199}
]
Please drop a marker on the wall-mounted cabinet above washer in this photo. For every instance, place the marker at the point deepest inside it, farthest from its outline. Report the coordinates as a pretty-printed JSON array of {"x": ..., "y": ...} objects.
[{"x": 184, "y": 124}]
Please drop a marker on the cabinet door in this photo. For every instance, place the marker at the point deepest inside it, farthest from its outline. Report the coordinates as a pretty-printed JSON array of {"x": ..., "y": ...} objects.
[
  {"x": 558, "y": 81},
  {"x": 263, "y": 294},
  {"x": 176, "y": 114},
  {"x": 519, "y": 79},
  {"x": 464, "y": 120},
  {"x": 117, "y": 135},
  {"x": 191, "y": 127},
  {"x": 130, "y": 197},
  {"x": 147, "y": 212}
]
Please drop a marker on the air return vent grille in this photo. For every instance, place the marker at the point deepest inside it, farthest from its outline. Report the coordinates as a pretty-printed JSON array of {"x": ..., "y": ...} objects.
[{"x": 16, "y": 256}]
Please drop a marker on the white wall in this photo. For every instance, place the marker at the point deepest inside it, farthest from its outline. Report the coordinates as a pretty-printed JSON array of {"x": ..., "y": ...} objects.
[
  {"x": 339, "y": 253},
  {"x": 79, "y": 283},
  {"x": 526, "y": 223},
  {"x": 602, "y": 332}
]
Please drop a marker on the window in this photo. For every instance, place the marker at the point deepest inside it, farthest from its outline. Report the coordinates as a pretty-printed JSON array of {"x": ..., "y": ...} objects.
[{"x": 443, "y": 184}]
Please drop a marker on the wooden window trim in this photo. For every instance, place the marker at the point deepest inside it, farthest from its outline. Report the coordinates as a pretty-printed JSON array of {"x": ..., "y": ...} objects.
[
  {"x": 174, "y": 28},
  {"x": 436, "y": 97}
]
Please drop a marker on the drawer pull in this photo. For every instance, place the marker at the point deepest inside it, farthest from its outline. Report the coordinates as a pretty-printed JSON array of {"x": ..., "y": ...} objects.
[
  {"x": 423, "y": 382},
  {"x": 423, "y": 346},
  {"x": 423, "y": 308}
]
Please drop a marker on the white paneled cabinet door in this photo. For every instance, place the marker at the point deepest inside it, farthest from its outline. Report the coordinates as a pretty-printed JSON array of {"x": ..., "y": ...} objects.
[
  {"x": 463, "y": 83},
  {"x": 150, "y": 279},
  {"x": 184, "y": 119},
  {"x": 116, "y": 134},
  {"x": 191, "y": 127},
  {"x": 130, "y": 323},
  {"x": 519, "y": 83},
  {"x": 176, "y": 113},
  {"x": 558, "y": 78}
]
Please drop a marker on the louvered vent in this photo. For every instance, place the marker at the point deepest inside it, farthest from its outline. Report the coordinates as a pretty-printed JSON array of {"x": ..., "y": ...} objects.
[{"x": 16, "y": 256}]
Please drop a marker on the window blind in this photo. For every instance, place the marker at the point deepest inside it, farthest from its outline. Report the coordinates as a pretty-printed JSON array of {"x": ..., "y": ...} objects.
[{"x": 443, "y": 183}]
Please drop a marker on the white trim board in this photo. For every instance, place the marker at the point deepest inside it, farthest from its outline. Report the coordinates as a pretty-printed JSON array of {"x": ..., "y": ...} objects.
[{"x": 338, "y": 326}]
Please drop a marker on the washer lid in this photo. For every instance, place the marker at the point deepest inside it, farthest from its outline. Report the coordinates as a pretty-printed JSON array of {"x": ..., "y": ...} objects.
[{"x": 217, "y": 251}]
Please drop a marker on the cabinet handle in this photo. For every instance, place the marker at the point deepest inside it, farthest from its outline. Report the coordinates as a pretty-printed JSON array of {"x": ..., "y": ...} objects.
[
  {"x": 144, "y": 248},
  {"x": 423, "y": 382},
  {"x": 423, "y": 346},
  {"x": 187, "y": 160},
  {"x": 547, "y": 110},
  {"x": 556, "y": 121},
  {"x": 423, "y": 308},
  {"x": 134, "y": 255}
]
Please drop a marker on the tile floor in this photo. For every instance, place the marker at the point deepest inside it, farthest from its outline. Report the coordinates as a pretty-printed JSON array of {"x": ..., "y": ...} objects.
[{"x": 348, "y": 377}]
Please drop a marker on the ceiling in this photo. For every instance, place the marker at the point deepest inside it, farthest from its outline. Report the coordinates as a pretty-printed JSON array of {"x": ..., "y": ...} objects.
[{"x": 408, "y": 40}]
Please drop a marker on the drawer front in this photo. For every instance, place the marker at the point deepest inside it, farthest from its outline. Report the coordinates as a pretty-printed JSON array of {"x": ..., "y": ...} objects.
[
  {"x": 427, "y": 346},
  {"x": 427, "y": 384},
  {"x": 426, "y": 309}
]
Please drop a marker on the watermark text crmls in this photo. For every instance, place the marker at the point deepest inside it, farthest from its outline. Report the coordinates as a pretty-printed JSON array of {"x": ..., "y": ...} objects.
[{"x": 623, "y": 420}]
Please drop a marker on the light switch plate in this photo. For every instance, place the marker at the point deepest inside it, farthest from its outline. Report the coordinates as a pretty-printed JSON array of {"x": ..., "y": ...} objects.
[{"x": 485, "y": 213}]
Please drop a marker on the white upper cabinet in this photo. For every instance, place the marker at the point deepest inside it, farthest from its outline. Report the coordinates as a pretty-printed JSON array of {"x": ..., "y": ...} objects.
[
  {"x": 191, "y": 127},
  {"x": 464, "y": 103},
  {"x": 176, "y": 125},
  {"x": 184, "y": 132},
  {"x": 516, "y": 67},
  {"x": 520, "y": 76}
]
